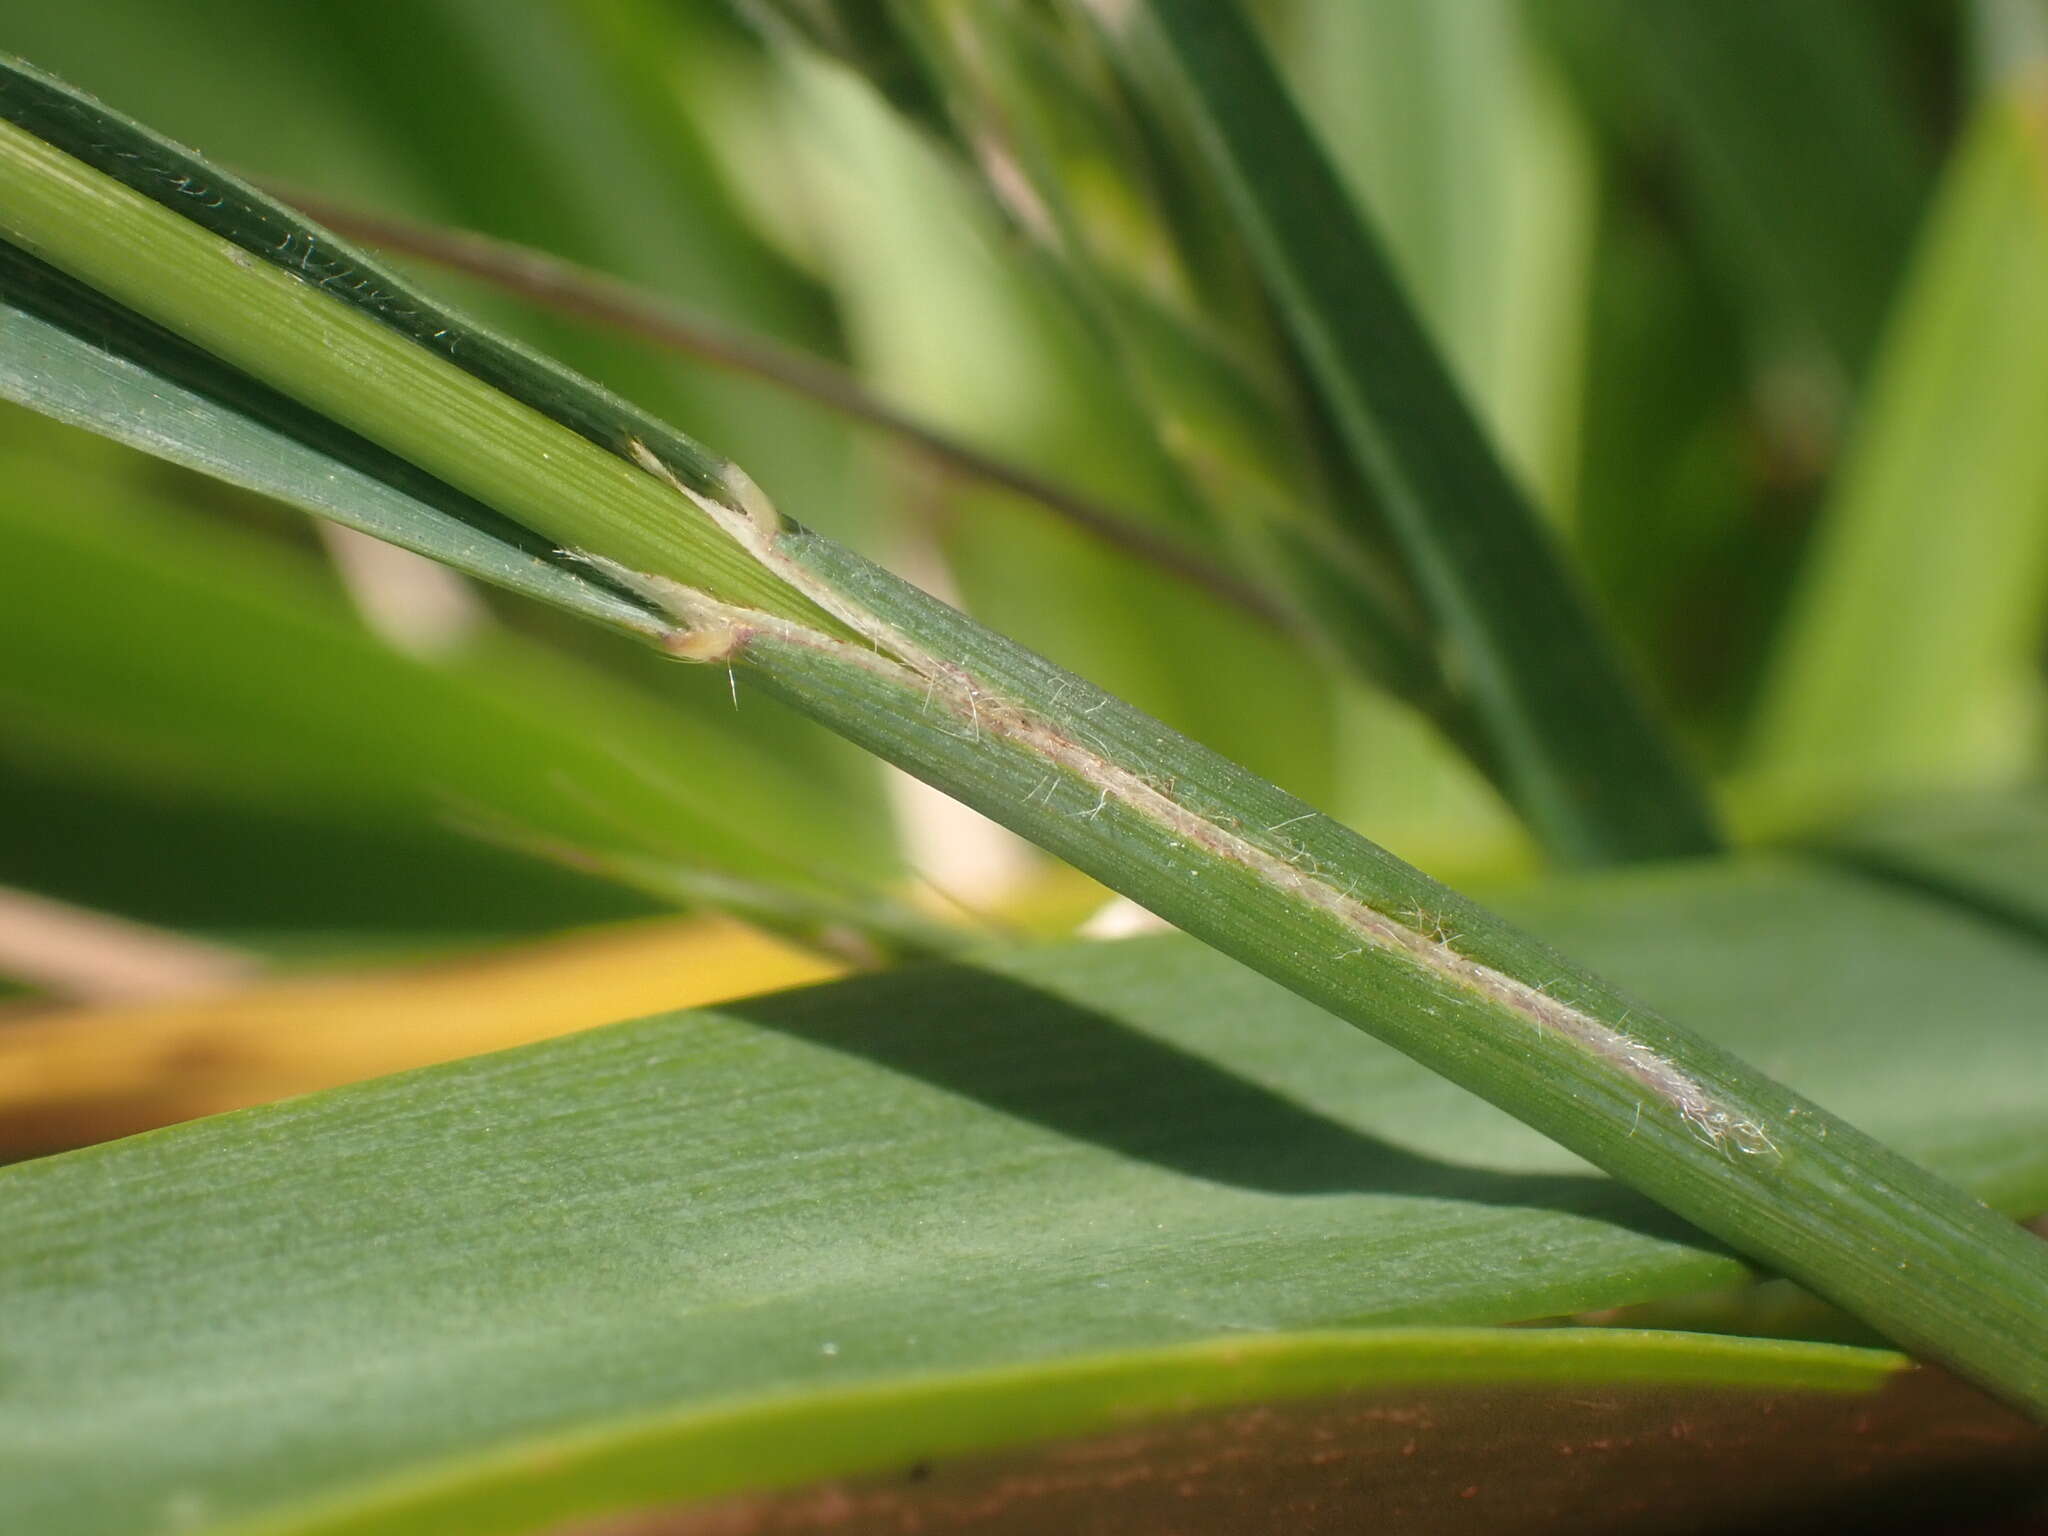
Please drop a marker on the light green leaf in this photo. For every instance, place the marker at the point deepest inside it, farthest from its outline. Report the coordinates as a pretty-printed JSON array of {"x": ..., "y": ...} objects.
[
  {"x": 552, "y": 124},
  {"x": 1190, "y": 409},
  {"x": 919, "y": 267},
  {"x": 1911, "y": 658},
  {"x": 49, "y": 369}
]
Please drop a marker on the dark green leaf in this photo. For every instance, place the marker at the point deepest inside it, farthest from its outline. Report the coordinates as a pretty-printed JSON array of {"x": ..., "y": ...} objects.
[{"x": 1579, "y": 754}]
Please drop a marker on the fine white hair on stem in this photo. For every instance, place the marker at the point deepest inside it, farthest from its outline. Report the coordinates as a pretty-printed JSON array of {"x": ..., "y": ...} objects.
[{"x": 712, "y": 630}]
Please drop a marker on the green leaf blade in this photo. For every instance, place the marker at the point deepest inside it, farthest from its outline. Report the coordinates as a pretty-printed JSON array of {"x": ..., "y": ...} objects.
[
  {"x": 1459, "y": 1383},
  {"x": 1580, "y": 754},
  {"x": 1051, "y": 1154},
  {"x": 258, "y": 286},
  {"x": 55, "y": 371},
  {"x": 1910, "y": 662}
]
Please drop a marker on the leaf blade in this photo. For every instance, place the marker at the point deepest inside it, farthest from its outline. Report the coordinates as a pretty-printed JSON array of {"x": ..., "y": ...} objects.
[
  {"x": 1460, "y": 1385},
  {"x": 1584, "y": 759},
  {"x": 1144, "y": 1145},
  {"x": 1909, "y": 662}
]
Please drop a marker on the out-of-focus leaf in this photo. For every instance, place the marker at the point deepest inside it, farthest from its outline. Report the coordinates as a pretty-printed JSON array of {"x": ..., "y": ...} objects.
[
  {"x": 1803, "y": 146},
  {"x": 1685, "y": 530},
  {"x": 75, "y": 1076},
  {"x": 1578, "y": 754},
  {"x": 1911, "y": 662},
  {"x": 1479, "y": 175},
  {"x": 295, "y": 1310},
  {"x": 1984, "y": 852},
  {"x": 181, "y": 856},
  {"x": 919, "y": 268},
  {"x": 274, "y": 695}
]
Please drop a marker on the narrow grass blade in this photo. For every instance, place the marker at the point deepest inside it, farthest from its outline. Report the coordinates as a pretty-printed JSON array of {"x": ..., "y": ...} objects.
[
  {"x": 228, "y": 243},
  {"x": 557, "y": 125},
  {"x": 587, "y": 295},
  {"x": 193, "y": 412},
  {"x": 1478, "y": 175},
  {"x": 1093, "y": 191},
  {"x": 1186, "y": 833},
  {"x": 1577, "y": 748}
]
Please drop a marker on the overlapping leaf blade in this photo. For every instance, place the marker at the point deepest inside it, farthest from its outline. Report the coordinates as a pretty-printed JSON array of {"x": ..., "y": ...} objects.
[{"x": 1046, "y": 1154}]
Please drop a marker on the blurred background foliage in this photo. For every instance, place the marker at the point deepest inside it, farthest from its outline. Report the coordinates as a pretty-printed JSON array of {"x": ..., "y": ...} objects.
[{"x": 1754, "y": 299}]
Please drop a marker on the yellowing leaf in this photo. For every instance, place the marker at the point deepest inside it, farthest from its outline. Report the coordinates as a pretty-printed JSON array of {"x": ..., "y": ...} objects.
[{"x": 86, "y": 1075}]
